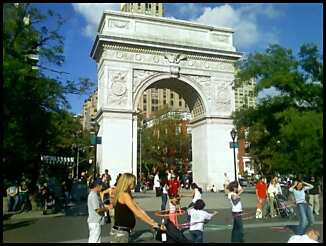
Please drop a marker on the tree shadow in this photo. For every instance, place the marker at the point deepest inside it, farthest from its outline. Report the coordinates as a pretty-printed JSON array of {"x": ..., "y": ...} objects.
[
  {"x": 11, "y": 226},
  {"x": 6, "y": 216}
]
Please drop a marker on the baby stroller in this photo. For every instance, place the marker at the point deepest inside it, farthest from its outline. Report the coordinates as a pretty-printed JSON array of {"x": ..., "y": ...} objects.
[
  {"x": 283, "y": 207},
  {"x": 173, "y": 234}
]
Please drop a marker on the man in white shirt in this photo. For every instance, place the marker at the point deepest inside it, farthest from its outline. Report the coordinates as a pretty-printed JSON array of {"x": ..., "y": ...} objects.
[
  {"x": 157, "y": 184},
  {"x": 96, "y": 212},
  {"x": 311, "y": 236}
]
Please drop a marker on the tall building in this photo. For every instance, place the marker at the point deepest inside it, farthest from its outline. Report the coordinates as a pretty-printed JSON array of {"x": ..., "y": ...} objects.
[
  {"x": 155, "y": 99},
  {"x": 245, "y": 95},
  {"x": 154, "y": 9},
  {"x": 89, "y": 110}
]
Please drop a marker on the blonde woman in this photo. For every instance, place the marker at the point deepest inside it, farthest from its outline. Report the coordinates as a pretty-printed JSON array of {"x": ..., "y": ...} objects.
[{"x": 126, "y": 209}]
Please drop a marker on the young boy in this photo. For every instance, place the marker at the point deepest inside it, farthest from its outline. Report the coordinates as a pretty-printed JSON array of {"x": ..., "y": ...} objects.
[
  {"x": 234, "y": 196},
  {"x": 197, "y": 219}
]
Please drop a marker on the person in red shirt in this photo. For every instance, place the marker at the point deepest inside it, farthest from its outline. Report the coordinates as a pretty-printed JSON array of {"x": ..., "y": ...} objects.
[
  {"x": 261, "y": 194},
  {"x": 174, "y": 186}
]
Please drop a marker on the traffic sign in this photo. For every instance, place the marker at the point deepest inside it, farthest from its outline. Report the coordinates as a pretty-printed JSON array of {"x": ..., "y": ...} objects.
[{"x": 234, "y": 145}]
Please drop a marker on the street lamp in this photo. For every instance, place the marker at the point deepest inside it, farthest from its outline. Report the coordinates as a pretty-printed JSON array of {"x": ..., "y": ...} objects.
[
  {"x": 96, "y": 128},
  {"x": 233, "y": 135}
]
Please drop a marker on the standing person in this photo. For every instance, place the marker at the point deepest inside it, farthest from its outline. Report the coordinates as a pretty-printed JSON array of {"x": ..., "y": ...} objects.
[
  {"x": 197, "y": 219},
  {"x": 261, "y": 194},
  {"x": 226, "y": 184},
  {"x": 13, "y": 197},
  {"x": 165, "y": 187},
  {"x": 314, "y": 196},
  {"x": 24, "y": 197},
  {"x": 273, "y": 190},
  {"x": 303, "y": 209},
  {"x": 234, "y": 196},
  {"x": 174, "y": 186},
  {"x": 157, "y": 184},
  {"x": 96, "y": 212},
  {"x": 108, "y": 178},
  {"x": 196, "y": 194},
  {"x": 126, "y": 209}
]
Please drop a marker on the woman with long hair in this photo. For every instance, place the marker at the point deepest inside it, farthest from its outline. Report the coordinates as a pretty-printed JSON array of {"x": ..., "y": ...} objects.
[
  {"x": 303, "y": 209},
  {"x": 126, "y": 209},
  {"x": 196, "y": 194}
]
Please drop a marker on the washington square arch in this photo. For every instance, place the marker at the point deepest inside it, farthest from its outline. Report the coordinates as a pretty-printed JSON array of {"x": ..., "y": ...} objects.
[{"x": 136, "y": 52}]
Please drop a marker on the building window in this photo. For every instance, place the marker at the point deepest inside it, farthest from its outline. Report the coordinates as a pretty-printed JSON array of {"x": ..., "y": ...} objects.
[
  {"x": 180, "y": 103},
  {"x": 157, "y": 8},
  {"x": 145, "y": 107},
  {"x": 171, "y": 95},
  {"x": 171, "y": 103},
  {"x": 139, "y": 4},
  {"x": 164, "y": 101}
]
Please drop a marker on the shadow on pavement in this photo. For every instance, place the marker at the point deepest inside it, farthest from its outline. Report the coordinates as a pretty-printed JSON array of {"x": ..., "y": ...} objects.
[
  {"x": 135, "y": 237},
  {"x": 11, "y": 226},
  {"x": 6, "y": 216}
]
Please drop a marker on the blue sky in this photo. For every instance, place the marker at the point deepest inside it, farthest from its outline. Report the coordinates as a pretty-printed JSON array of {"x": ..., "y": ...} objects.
[{"x": 255, "y": 25}]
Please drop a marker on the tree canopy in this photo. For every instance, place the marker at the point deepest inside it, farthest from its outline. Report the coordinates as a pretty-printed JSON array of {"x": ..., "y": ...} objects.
[
  {"x": 285, "y": 129},
  {"x": 36, "y": 119}
]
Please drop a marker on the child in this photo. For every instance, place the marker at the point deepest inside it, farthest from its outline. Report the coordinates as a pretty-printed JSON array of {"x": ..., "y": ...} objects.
[
  {"x": 174, "y": 203},
  {"x": 234, "y": 196},
  {"x": 197, "y": 219}
]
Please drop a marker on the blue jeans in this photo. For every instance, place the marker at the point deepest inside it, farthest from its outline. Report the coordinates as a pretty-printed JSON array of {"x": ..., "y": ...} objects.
[
  {"x": 237, "y": 231},
  {"x": 13, "y": 203},
  {"x": 197, "y": 236},
  {"x": 164, "y": 201},
  {"x": 306, "y": 218}
]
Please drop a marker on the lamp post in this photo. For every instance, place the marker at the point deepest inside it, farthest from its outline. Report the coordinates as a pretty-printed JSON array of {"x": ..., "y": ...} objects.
[
  {"x": 96, "y": 128},
  {"x": 233, "y": 135}
]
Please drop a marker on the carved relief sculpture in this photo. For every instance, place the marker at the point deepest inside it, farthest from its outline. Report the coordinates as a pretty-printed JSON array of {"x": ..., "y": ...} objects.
[
  {"x": 118, "y": 93},
  {"x": 223, "y": 97}
]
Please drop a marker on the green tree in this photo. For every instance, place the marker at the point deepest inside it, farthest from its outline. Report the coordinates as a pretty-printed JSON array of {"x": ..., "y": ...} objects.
[
  {"x": 284, "y": 130},
  {"x": 166, "y": 141},
  {"x": 34, "y": 103}
]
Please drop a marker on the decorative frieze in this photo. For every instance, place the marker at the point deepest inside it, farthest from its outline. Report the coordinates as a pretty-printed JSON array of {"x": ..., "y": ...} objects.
[{"x": 157, "y": 57}]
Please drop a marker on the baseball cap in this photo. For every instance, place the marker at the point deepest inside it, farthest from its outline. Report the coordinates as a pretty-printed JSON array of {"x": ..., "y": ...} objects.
[{"x": 98, "y": 182}]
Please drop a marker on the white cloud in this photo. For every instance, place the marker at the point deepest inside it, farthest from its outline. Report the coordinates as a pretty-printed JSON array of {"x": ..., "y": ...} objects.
[
  {"x": 92, "y": 12},
  {"x": 244, "y": 21}
]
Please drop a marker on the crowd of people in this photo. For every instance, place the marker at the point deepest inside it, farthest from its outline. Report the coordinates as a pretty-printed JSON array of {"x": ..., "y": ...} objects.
[{"x": 114, "y": 204}]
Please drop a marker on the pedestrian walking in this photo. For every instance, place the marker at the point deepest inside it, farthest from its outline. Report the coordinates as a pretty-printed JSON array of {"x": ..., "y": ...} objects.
[
  {"x": 165, "y": 187},
  {"x": 96, "y": 210},
  {"x": 312, "y": 235},
  {"x": 235, "y": 190},
  {"x": 314, "y": 194},
  {"x": 13, "y": 197},
  {"x": 261, "y": 194},
  {"x": 126, "y": 209},
  {"x": 303, "y": 209},
  {"x": 197, "y": 219},
  {"x": 273, "y": 190}
]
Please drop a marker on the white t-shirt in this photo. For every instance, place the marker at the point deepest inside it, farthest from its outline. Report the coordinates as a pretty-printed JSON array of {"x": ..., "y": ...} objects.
[
  {"x": 196, "y": 196},
  {"x": 274, "y": 189},
  {"x": 301, "y": 239},
  {"x": 198, "y": 216},
  {"x": 164, "y": 190},
  {"x": 157, "y": 181},
  {"x": 236, "y": 203}
]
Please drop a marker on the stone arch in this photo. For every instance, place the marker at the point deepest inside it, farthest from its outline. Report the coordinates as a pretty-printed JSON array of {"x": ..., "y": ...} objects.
[{"x": 183, "y": 85}]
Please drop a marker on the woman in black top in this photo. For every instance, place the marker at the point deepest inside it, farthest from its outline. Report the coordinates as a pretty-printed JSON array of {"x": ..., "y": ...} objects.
[{"x": 126, "y": 209}]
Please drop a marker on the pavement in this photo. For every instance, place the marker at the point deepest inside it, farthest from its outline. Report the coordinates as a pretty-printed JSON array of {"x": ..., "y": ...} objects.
[{"x": 70, "y": 225}]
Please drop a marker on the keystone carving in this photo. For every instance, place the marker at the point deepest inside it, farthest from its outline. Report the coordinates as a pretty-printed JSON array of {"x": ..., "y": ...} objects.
[{"x": 175, "y": 58}]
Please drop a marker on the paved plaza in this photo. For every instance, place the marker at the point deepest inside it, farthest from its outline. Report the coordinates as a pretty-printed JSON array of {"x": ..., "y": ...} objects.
[{"x": 70, "y": 226}]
